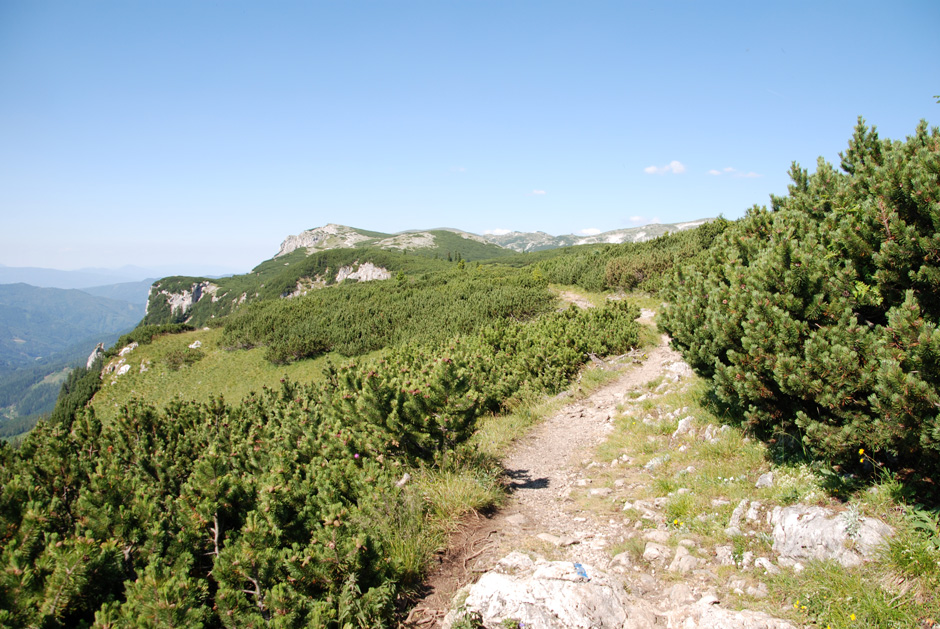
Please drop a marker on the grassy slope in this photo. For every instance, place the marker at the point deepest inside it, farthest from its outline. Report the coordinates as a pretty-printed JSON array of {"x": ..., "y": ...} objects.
[{"x": 230, "y": 374}]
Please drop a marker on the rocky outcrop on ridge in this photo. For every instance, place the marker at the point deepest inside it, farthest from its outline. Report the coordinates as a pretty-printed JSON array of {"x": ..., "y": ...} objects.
[
  {"x": 96, "y": 353},
  {"x": 366, "y": 272},
  {"x": 183, "y": 300},
  {"x": 331, "y": 236}
]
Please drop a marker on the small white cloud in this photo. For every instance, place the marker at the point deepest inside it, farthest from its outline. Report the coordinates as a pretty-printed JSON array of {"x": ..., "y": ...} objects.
[
  {"x": 590, "y": 231},
  {"x": 734, "y": 172},
  {"x": 675, "y": 167},
  {"x": 636, "y": 220},
  {"x": 538, "y": 192},
  {"x": 496, "y": 232}
]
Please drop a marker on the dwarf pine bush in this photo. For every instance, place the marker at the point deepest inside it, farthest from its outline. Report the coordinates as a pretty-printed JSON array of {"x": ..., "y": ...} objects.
[{"x": 819, "y": 316}]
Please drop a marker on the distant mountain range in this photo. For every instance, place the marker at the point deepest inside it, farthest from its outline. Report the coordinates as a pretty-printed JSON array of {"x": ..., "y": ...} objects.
[
  {"x": 93, "y": 277},
  {"x": 46, "y": 331},
  {"x": 538, "y": 241},
  {"x": 333, "y": 236}
]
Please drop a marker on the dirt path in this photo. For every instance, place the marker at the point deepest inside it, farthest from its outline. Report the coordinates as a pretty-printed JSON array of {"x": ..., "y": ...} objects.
[
  {"x": 542, "y": 470},
  {"x": 574, "y": 298}
]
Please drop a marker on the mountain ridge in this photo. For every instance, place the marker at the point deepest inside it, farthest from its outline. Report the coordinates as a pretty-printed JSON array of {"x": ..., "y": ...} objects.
[
  {"x": 337, "y": 236},
  {"x": 334, "y": 253}
]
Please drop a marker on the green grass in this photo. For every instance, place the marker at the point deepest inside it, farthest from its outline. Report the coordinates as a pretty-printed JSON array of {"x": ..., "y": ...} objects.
[
  {"x": 450, "y": 493},
  {"x": 57, "y": 378},
  {"x": 231, "y": 374},
  {"x": 827, "y": 594},
  {"x": 645, "y": 300}
]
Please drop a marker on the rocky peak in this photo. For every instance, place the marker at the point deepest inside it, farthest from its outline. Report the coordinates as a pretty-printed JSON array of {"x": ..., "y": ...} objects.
[{"x": 330, "y": 236}]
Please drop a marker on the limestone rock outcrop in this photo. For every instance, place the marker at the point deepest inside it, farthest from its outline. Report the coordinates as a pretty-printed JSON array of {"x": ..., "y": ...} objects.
[
  {"x": 183, "y": 300},
  {"x": 330, "y": 236},
  {"x": 96, "y": 353},
  {"x": 811, "y": 532},
  {"x": 366, "y": 272}
]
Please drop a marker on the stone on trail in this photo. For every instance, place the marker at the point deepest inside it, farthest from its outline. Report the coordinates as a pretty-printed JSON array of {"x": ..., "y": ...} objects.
[
  {"x": 684, "y": 427},
  {"x": 656, "y": 552},
  {"x": 546, "y": 594},
  {"x": 557, "y": 541},
  {"x": 564, "y": 595},
  {"x": 765, "y": 480},
  {"x": 683, "y": 561}
]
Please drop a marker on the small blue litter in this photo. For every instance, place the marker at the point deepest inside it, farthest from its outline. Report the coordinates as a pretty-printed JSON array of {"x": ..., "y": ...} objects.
[{"x": 580, "y": 570}]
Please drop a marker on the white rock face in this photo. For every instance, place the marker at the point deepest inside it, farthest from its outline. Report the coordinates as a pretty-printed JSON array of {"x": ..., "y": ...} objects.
[
  {"x": 366, "y": 272},
  {"x": 330, "y": 236},
  {"x": 95, "y": 355},
  {"x": 546, "y": 594},
  {"x": 809, "y": 532},
  {"x": 685, "y": 425},
  {"x": 128, "y": 349},
  {"x": 183, "y": 301},
  {"x": 706, "y": 615}
]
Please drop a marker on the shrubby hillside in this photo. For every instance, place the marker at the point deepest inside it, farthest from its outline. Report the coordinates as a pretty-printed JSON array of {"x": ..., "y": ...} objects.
[
  {"x": 299, "y": 270},
  {"x": 359, "y": 318},
  {"x": 198, "y": 300},
  {"x": 282, "y": 509},
  {"x": 819, "y": 317}
]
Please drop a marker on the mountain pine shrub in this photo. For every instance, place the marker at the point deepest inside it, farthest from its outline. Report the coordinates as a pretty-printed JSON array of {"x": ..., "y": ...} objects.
[
  {"x": 819, "y": 317},
  {"x": 281, "y": 509}
]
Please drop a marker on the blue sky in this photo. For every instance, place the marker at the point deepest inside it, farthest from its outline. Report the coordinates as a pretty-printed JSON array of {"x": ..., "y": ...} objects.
[{"x": 203, "y": 132}]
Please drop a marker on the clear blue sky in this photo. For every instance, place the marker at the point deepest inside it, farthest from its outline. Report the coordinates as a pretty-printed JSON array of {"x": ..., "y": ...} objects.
[{"x": 205, "y": 131}]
